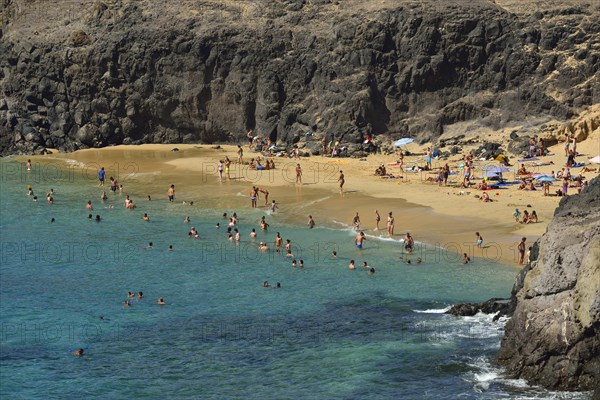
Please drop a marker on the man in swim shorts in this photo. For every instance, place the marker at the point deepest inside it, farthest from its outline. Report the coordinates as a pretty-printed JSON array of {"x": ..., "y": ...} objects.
[
  {"x": 171, "y": 193},
  {"x": 358, "y": 241}
]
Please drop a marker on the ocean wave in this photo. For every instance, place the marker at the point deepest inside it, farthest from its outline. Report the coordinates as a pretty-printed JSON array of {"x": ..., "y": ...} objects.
[{"x": 485, "y": 373}]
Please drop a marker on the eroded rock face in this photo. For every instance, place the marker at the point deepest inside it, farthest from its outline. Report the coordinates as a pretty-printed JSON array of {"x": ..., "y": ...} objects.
[
  {"x": 123, "y": 71},
  {"x": 553, "y": 337}
]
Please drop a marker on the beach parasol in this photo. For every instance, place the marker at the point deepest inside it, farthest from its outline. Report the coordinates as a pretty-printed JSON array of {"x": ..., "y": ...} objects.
[
  {"x": 495, "y": 168},
  {"x": 403, "y": 142},
  {"x": 490, "y": 174},
  {"x": 595, "y": 160},
  {"x": 545, "y": 178}
]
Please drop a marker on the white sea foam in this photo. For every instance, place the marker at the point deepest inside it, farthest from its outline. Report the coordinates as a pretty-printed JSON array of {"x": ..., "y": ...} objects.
[{"x": 433, "y": 310}]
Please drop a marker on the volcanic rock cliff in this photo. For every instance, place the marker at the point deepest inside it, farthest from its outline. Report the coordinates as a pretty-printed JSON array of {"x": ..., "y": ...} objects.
[
  {"x": 553, "y": 336},
  {"x": 77, "y": 74}
]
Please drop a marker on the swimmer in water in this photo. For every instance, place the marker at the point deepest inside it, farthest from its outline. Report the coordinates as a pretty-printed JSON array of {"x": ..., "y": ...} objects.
[
  {"x": 253, "y": 233},
  {"x": 266, "y": 284},
  {"x": 98, "y": 219},
  {"x": 146, "y": 217},
  {"x": 301, "y": 264},
  {"x": 79, "y": 352},
  {"x": 293, "y": 263},
  {"x": 170, "y": 248},
  {"x": 161, "y": 301},
  {"x": 371, "y": 271},
  {"x": 52, "y": 220},
  {"x": 351, "y": 265},
  {"x": 466, "y": 258}
]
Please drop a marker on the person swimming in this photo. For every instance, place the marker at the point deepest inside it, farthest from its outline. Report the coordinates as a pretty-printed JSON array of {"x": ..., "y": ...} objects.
[
  {"x": 79, "y": 352},
  {"x": 161, "y": 301},
  {"x": 351, "y": 265}
]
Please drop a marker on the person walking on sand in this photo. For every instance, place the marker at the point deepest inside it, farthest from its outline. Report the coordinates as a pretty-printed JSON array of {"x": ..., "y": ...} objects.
[
  {"x": 253, "y": 196},
  {"x": 311, "y": 222},
  {"x": 521, "y": 249},
  {"x": 250, "y": 136},
  {"x": 171, "y": 193},
  {"x": 240, "y": 153},
  {"x": 428, "y": 159},
  {"x": 220, "y": 170},
  {"x": 298, "y": 174},
  {"x": 227, "y": 167},
  {"x": 390, "y": 224},
  {"x": 341, "y": 180},
  {"x": 377, "y": 219},
  {"x": 479, "y": 240}
]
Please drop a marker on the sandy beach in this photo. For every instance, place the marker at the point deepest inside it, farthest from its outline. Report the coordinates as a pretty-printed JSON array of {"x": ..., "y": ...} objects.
[{"x": 444, "y": 216}]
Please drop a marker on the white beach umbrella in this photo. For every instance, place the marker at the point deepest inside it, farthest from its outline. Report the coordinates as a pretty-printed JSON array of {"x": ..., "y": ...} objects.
[{"x": 595, "y": 160}]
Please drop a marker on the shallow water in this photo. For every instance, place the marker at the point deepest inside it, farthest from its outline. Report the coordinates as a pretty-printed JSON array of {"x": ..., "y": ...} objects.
[{"x": 329, "y": 332}]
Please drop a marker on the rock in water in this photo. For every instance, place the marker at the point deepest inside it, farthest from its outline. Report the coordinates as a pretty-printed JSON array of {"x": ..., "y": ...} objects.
[{"x": 553, "y": 337}]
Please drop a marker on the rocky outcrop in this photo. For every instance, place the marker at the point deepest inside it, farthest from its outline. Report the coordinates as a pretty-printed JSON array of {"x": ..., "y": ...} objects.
[
  {"x": 91, "y": 74},
  {"x": 500, "y": 307},
  {"x": 553, "y": 336}
]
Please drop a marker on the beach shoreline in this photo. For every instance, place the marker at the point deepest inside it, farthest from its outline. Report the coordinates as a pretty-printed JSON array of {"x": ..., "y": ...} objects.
[{"x": 446, "y": 217}]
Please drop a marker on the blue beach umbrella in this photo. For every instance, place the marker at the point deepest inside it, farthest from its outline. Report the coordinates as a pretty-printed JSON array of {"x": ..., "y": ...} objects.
[
  {"x": 403, "y": 142},
  {"x": 545, "y": 178}
]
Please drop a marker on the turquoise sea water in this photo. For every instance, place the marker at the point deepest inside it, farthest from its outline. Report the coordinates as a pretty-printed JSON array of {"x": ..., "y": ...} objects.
[{"x": 327, "y": 333}]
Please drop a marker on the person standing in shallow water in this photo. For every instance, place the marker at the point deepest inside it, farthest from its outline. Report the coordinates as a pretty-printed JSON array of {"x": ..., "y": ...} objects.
[
  {"x": 171, "y": 193},
  {"x": 390, "y": 224},
  {"x": 101, "y": 176},
  {"x": 358, "y": 241}
]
